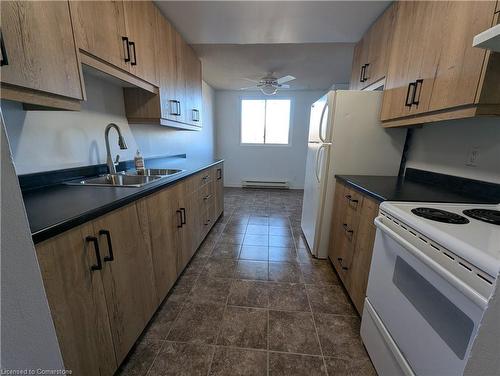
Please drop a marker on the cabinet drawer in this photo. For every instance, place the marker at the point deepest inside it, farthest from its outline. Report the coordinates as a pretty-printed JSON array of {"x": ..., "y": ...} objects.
[{"x": 353, "y": 201}]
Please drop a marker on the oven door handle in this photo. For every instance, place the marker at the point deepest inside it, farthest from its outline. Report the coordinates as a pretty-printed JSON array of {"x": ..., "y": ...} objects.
[{"x": 470, "y": 293}]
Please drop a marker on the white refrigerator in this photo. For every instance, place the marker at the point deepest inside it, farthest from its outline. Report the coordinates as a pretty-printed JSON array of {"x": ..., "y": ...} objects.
[{"x": 345, "y": 138}]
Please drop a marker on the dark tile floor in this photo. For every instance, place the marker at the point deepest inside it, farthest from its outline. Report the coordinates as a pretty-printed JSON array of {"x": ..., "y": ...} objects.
[{"x": 253, "y": 301}]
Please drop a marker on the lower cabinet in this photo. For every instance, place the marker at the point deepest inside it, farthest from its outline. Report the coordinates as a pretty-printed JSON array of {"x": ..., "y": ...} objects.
[
  {"x": 71, "y": 268},
  {"x": 105, "y": 279},
  {"x": 353, "y": 234}
]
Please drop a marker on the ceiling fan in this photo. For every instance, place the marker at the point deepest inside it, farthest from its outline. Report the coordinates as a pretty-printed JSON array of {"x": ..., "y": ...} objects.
[{"x": 269, "y": 84}]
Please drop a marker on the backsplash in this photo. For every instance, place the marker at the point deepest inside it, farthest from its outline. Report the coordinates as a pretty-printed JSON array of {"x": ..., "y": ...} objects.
[
  {"x": 52, "y": 140},
  {"x": 444, "y": 147}
]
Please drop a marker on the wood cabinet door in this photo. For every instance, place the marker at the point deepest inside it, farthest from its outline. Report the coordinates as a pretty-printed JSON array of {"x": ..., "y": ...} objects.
[
  {"x": 129, "y": 278},
  {"x": 458, "y": 71},
  {"x": 181, "y": 72},
  {"x": 339, "y": 206},
  {"x": 218, "y": 190},
  {"x": 99, "y": 27},
  {"x": 379, "y": 43},
  {"x": 140, "y": 22},
  {"x": 39, "y": 50},
  {"x": 357, "y": 62},
  {"x": 77, "y": 302},
  {"x": 190, "y": 231},
  {"x": 167, "y": 67},
  {"x": 407, "y": 51},
  {"x": 359, "y": 269},
  {"x": 193, "y": 87},
  {"x": 164, "y": 220}
]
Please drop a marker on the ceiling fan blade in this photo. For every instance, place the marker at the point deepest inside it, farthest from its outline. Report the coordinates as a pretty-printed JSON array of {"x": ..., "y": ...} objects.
[
  {"x": 285, "y": 79},
  {"x": 249, "y": 87},
  {"x": 248, "y": 79},
  {"x": 285, "y": 86}
]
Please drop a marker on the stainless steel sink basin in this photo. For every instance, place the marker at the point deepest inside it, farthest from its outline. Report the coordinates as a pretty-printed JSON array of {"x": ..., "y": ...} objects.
[
  {"x": 118, "y": 180},
  {"x": 156, "y": 172}
]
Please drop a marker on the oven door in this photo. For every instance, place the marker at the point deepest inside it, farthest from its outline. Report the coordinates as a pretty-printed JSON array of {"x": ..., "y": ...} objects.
[{"x": 431, "y": 317}]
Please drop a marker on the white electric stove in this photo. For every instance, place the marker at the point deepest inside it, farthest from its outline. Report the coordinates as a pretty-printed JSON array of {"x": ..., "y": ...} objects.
[{"x": 434, "y": 268}]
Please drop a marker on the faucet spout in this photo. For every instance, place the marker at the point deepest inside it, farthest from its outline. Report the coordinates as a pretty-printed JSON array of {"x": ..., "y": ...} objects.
[{"x": 121, "y": 143}]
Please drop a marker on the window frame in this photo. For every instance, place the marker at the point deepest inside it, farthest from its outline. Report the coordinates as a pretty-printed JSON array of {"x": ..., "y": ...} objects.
[{"x": 266, "y": 97}]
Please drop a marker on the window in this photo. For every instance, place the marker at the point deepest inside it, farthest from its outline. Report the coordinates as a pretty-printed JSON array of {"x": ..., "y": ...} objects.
[{"x": 265, "y": 121}]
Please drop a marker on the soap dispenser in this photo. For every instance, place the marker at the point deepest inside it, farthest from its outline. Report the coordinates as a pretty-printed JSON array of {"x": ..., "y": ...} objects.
[{"x": 139, "y": 163}]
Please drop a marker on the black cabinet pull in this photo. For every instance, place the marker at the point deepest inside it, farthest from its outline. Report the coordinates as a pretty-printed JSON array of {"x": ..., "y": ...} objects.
[
  {"x": 362, "y": 73},
  {"x": 110, "y": 256},
  {"x": 4, "y": 60},
  {"x": 179, "y": 224},
  {"x": 94, "y": 240},
  {"x": 347, "y": 229},
  {"x": 340, "y": 262},
  {"x": 196, "y": 115},
  {"x": 172, "y": 110},
  {"x": 207, "y": 197},
  {"x": 126, "y": 49},
  {"x": 183, "y": 216},
  {"x": 219, "y": 173},
  {"x": 135, "y": 55},
  {"x": 407, "y": 102},
  {"x": 418, "y": 88}
]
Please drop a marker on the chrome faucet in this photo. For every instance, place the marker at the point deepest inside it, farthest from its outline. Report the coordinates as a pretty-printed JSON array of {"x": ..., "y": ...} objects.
[{"x": 121, "y": 143}]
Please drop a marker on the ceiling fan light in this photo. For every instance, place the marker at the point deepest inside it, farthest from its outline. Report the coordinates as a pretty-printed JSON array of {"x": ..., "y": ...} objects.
[{"x": 268, "y": 89}]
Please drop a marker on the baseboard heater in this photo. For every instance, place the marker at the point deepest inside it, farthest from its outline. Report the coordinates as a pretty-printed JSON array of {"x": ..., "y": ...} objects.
[{"x": 277, "y": 184}]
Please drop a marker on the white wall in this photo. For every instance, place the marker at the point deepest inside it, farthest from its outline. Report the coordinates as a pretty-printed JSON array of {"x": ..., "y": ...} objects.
[
  {"x": 444, "y": 146},
  {"x": 244, "y": 162},
  {"x": 28, "y": 338},
  {"x": 51, "y": 140}
]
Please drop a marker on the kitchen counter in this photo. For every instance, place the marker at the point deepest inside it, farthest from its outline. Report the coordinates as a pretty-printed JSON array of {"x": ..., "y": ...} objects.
[
  {"x": 54, "y": 209},
  {"x": 424, "y": 186}
]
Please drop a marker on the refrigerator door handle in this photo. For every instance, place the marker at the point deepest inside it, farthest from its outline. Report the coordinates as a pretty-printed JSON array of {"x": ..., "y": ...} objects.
[
  {"x": 321, "y": 122},
  {"x": 316, "y": 165}
]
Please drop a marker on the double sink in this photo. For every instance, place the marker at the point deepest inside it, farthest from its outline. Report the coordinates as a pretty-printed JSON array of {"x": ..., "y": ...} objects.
[{"x": 129, "y": 178}]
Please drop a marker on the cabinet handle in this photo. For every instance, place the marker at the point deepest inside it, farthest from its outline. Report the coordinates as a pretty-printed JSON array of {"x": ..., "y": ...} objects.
[
  {"x": 342, "y": 266},
  {"x": 172, "y": 111},
  {"x": 110, "y": 256},
  {"x": 135, "y": 55},
  {"x": 207, "y": 197},
  {"x": 219, "y": 173},
  {"x": 418, "y": 87},
  {"x": 126, "y": 49},
  {"x": 179, "y": 224},
  {"x": 347, "y": 229},
  {"x": 196, "y": 115},
  {"x": 410, "y": 85},
  {"x": 362, "y": 73},
  {"x": 183, "y": 216},
  {"x": 4, "y": 59},
  {"x": 93, "y": 239}
]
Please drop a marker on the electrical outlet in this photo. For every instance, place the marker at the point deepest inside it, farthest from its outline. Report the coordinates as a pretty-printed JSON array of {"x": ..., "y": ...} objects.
[{"x": 472, "y": 157}]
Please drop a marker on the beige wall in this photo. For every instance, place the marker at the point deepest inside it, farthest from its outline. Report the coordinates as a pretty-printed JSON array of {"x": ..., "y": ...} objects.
[
  {"x": 444, "y": 146},
  {"x": 51, "y": 140}
]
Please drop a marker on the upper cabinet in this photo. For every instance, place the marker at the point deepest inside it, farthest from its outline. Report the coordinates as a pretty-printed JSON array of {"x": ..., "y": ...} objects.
[
  {"x": 121, "y": 34},
  {"x": 179, "y": 102},
  {"x": 39, "y": 63},
  {"x": 434, "y": 73},
  {"x": 371, "y": 53},
  {"x": 99, "y": 29}
]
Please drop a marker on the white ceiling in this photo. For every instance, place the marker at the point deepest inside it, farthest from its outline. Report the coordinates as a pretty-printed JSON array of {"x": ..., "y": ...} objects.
[
  {"x": 315, "y": 65},
  {"x": 311, "y": 40}
]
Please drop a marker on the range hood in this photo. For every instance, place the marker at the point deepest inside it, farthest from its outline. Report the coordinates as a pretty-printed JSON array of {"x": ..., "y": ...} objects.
[{"x": 488, "y": 39}]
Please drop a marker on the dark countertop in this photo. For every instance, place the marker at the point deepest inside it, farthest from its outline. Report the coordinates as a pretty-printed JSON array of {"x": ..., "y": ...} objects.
[
  {"x": 413, "y": 188},
  {"x": 55, "y": 209}
]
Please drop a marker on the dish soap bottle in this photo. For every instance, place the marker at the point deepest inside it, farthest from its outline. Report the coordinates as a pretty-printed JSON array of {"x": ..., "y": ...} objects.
[{"x": 139, "y": 163}]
